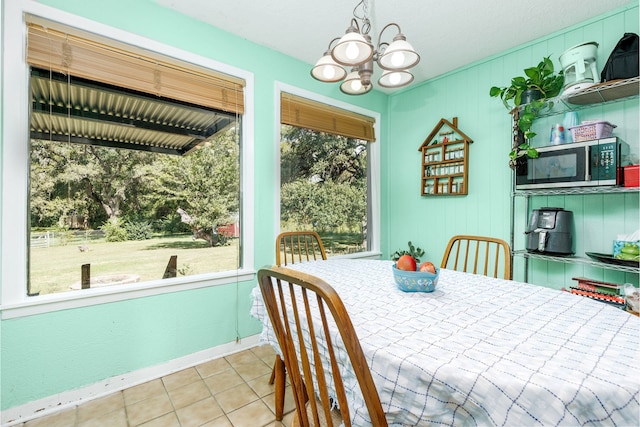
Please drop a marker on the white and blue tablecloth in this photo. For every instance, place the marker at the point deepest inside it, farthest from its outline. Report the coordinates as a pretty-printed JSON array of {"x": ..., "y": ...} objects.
[{"x": 481, "y": 351}]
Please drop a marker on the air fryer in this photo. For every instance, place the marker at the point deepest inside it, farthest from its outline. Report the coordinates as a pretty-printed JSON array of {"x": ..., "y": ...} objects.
[{"x": 550, "y": 231}]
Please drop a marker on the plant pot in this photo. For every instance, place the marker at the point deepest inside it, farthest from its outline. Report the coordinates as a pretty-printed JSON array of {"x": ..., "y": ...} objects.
[{"x": 530, "y": 95}]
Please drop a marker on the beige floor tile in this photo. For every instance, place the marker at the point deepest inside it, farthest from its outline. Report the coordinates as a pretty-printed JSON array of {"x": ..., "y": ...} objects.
[
  {"x": 199, "y": 413},
  {"x": 101, "y": 406},
  {"x": 261, "y": 385},
  {"x": 148, "y": 409},
  {"x": 219, "y": 422},
  {"x": 236, "y": 397},
  {"x": 254, "y": 414},
  {"x": 213, "y": 367},
  {"x": 265, "y": 353},
  {"x": 185, "y": 399},
  {"x": 181, "y": 378},
  {"x": 143, "y": 391},
  {"x": 246, "y": 356},
  {"x": 223, "y": 381},
  {"x": 252, "y": 370},
  {"x": 189, "y": 394},
  {"x": 289, "y": 401},
  {"x": 117, "y": 418},
  {"x": 66, "y": 418},
  {"x": 288, "y": 418},
  {"x": 167, "y": 420}
]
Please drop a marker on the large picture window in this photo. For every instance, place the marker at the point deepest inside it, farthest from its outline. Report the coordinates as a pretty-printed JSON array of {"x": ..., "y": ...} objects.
[{"x": 135, "y": 166}]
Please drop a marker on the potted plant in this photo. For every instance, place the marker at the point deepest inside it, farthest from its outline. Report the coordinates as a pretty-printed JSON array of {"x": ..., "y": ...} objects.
[
  {"x": 416, "y": 253},
  {"x": 531, "y": 92}
]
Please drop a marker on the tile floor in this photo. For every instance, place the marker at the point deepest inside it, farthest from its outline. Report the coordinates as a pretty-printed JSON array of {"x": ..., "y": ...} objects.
[{"x": 232, "y": 391}]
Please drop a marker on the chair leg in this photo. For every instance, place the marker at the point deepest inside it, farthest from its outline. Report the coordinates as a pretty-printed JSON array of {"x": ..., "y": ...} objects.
[
  {"x": 279, "y": 376},
  {"x": 273, "y": 371}
]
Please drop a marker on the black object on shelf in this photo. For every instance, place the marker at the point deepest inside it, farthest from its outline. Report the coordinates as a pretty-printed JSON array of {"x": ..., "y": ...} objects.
[{"x": 609, "y": 259}]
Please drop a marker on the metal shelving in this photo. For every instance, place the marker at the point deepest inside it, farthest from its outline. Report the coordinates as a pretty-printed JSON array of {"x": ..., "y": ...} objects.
[
  {"x": 600, "y": 94},
  {"x": 575, "y": 190},
  {"x": 576, "y": 260}
]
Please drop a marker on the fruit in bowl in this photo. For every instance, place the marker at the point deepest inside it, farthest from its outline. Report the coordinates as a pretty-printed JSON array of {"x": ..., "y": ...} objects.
[
  {"x": 428, "y": 267},
  {"x": 419, "y": 279},
  {"x": 407, "y": 263}
]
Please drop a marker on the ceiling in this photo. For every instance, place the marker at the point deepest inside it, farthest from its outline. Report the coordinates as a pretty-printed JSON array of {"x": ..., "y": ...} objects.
[{"x": 446, "y": 34}]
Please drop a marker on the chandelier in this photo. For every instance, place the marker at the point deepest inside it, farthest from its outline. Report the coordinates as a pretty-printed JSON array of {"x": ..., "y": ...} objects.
[{"x": 355, "y": 50}]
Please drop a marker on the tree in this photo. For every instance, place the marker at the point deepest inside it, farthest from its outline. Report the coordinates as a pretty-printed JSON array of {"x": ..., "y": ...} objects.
[
  {"x": 323, "y": 180},
  {"x": 326, "y": 157},
  {"x": 68, "y": 178},
  {"x": 203, "y": 186}
]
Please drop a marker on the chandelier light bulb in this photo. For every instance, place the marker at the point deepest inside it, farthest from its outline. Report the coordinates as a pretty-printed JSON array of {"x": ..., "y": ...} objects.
[
  {"x": 397, "y": 58},
  {"x": 329, "y": 73},
  {"x": 352, "y": 50},
  {"x": 327, "y": 70},
  {"x": 400, "y": 55},
  {"x": 395, "y": 79},
  {"x": 356, "y": 85}
]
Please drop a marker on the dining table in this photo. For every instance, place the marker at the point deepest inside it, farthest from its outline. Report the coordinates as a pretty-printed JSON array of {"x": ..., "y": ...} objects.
[{"x": 481, "y": 351}]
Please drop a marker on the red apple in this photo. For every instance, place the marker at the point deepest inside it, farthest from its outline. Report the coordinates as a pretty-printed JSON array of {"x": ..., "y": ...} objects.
[
  {"x": 406, "y": 262},
  {"x": 428, "y": 267}
]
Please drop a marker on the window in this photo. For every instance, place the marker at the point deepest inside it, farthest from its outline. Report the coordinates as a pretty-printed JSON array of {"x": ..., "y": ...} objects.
[
  {"x": 131, "y": 156},
  {"x": 126, "y": 186},
  {"x": 326, "y": 173}
]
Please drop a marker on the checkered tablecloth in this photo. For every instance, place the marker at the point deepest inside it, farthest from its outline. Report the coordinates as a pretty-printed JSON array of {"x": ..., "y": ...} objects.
[{"x": 480, "y": 351}]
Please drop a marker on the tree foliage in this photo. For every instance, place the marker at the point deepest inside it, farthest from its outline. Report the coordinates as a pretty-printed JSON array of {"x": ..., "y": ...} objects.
[
  {"x": 119, "y": 186},
  {"x": 323, "y": 181}
]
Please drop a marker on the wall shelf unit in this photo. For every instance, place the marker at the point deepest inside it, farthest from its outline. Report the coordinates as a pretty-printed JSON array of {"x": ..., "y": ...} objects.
[{"x": 445, "y": 161}]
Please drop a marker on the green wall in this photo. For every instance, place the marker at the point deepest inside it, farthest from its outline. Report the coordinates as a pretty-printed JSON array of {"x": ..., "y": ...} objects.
[
  {"x": 45, "y": 354},
  {"x": 429, "y": 222}
]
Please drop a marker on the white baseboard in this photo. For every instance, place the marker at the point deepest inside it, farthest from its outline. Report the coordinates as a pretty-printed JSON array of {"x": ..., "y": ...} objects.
[{"x": 68, "y": 399}]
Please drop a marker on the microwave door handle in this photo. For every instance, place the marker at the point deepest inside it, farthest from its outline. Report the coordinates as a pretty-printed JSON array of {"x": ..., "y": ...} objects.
[{"x": 587, "y": 163}]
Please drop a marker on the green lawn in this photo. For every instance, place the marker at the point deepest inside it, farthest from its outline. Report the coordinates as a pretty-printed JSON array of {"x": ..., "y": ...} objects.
[{"x": 56, "y": 268}]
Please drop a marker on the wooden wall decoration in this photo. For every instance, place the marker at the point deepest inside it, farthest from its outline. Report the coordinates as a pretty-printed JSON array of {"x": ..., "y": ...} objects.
[{"x": 445, "y": 161}]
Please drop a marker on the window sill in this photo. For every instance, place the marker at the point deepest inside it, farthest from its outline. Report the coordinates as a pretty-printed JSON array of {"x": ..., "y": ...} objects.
[{"x": 88, "y": 297}]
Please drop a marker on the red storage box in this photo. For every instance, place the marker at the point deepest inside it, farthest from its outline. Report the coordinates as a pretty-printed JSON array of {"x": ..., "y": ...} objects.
[{"x": 632, "y": 176}]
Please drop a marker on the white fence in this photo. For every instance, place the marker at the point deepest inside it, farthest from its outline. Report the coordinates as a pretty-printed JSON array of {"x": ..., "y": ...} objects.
[{"x": 47, "y": 239}]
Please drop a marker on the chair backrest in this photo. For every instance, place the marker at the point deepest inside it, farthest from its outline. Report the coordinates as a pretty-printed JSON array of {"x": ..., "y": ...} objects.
[
  {"x": 478, "y": 255},
  {"x": 298, "y": 246},
  {"x": 302, "y": 309}
]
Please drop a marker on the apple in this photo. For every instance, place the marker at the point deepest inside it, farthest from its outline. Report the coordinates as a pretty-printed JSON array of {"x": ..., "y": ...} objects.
[
  {"x": 406, "y": 262},
  {"x": 428, "y": 267}
]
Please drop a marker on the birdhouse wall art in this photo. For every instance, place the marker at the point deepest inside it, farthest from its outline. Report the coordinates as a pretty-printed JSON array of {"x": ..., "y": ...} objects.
[{"x": 445, "y": 161}]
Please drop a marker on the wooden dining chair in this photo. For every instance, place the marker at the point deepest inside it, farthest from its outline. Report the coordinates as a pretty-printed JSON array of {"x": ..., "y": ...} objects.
[
  {"x": 299, "y": 246},
  {"x": 479, "y": 255},
  {"x": 292, "y": 247},
  {"x": 302, "y": 309}
]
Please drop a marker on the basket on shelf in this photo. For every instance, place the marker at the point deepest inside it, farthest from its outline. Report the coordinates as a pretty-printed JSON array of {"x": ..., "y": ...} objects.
[{"x": 588, "y": 131}]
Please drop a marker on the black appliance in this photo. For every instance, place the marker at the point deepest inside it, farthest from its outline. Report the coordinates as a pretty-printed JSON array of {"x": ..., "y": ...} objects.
[{"x": 550, "y": 231}]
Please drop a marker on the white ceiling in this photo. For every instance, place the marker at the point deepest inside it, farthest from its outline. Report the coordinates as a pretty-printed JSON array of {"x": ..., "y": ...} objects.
[{"x": 447, "y": 34}]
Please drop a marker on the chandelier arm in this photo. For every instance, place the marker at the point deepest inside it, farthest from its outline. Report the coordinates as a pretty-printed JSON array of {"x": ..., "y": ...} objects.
[
  {"x": 331, "y": 42},
  {"x": 385, "y": 27}
]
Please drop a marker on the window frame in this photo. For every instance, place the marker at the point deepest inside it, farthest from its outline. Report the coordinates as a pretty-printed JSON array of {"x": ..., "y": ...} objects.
[
  {"x": 14, "y": 301},
  {"x": 373, "y": 166}
]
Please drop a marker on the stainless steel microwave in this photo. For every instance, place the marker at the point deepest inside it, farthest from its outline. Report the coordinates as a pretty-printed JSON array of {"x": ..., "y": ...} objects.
[{"x": 579, "y": 164}]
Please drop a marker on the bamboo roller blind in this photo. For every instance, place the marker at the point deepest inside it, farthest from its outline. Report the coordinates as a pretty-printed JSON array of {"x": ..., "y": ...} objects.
[
  {"x": 302, "y": 112},
  {"x": 80, "y": 57}
]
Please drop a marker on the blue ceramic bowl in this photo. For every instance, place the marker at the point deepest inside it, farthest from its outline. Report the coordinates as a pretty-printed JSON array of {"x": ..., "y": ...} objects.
[{"x": 415, "y": 281}]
